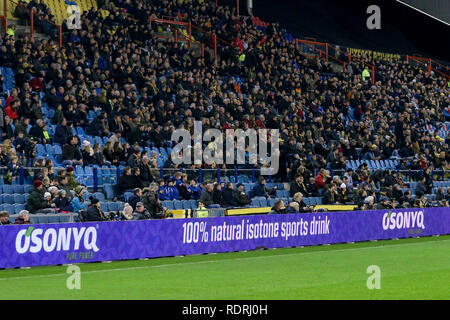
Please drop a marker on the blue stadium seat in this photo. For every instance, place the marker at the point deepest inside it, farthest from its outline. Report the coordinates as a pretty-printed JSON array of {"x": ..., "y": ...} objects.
[
  {"x": 19, "y": 189},
  {"x": 113, "y": 206},
  {"x": 8, "y": 199},
  {"x": 9, "y": 208},
  {"x": 271, "y": 202},
  {"x": 100, "y": 196},
  {"x": 8, "y": 189},
  {"x": 169, "y": 205},
  {"x": 109, "y": 191},
  {"x": 19, "y": 198},
  {"x": 178, "y": 205},
  {"x": 255, "y": 202},
  {"x": 18, "y": 208},
  {"x": 127, "y": 196},
  {"x": 194, "y": 204}
]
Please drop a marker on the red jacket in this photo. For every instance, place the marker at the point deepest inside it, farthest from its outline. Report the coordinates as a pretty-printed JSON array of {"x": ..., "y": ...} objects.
[
  {"x": 11, "y": 113},
  {"x": 320, "y": 182},
  {"x": 37, "y": 84}
]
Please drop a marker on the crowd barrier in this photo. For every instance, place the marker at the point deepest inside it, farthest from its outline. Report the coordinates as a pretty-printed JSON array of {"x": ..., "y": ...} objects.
[{"x": 36, "y": 245}]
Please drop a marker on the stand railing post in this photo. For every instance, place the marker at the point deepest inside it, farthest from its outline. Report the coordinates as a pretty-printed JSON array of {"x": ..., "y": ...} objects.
[
  {"x": 326, "y": 52},
  {"x": 429, "y": 66},
  {"x": 60, "y": 35},
  {"x": 21, "y": 177},
  {"x": 31, "y": 24},
  {"x": 373, "y": 74},
  {"x": 190, "y": 35},
  {"x": 203, "y": 50},
  {"x": 237, "y": 7},
  {"x": 176, "y": 35},
  {"x": 95, "y": 172},
  {"x": 215, "y": 48}
]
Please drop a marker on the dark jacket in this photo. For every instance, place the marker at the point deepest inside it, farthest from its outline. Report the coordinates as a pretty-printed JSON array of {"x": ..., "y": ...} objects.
[
  {"x": 228, "y": 197},
  {"x": 21, "y": 221},
  {"x": 152, "y": 204},
  {"x": 63, "y": 203},
  {"x": 329, "y": 197},
  {"x": 133, "y": 200},
  {"x": 125, "y": 182},
  {"x": 62, "y": 134},
  {"x": 207, "y": 197},
  {"x": 218, "y": 197},
  {"x": 259, "y": 190},
  {"x": 241, "y": 198},
  {"x": 36, "y": 200},
  {"x": 71, "y": 152},
  {"x": 144, "y": 215},
  {"x": 295, "y": 187},
  {"x": 94, "y": 214}
]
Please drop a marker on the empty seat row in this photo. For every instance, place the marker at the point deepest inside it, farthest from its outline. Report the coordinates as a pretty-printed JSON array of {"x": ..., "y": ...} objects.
[
  {"x": 13, "y": 198},
  {"x": 46, "y": 219},
  {"x": 15, "y": 189},
  {"x": 12, "y": 208}
]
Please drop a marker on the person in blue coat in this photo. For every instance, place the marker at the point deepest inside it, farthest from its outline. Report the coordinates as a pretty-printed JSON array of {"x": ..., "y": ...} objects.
[
  {"x": 194, "y": 190},
  {"x": 78, "y": 203}
]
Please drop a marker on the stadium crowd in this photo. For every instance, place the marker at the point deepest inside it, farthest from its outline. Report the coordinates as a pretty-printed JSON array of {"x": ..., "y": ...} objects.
[{"x": 144, "y": 89}]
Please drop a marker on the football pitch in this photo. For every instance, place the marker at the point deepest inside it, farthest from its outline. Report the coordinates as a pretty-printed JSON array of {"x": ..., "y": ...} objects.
[{"x": 415, "y": 268}]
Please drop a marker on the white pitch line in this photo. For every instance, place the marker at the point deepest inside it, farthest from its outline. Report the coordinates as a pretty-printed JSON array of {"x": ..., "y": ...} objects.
[{"x": 221, "y": 260}]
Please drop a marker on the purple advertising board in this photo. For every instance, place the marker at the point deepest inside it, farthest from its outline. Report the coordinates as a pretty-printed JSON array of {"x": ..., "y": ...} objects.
[{"x": 50, "y": 244}]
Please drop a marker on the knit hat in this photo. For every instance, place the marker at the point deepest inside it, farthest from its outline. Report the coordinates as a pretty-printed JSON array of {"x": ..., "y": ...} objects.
[
  {"x": 94, "y": 200},
  {"x": 52, "y": 189},
  {"x": 69, "y": 169},
  {"x": 37, "y": 183},
  {"x": 78, "y": 189},
  {"x": 47, "y": 194}
]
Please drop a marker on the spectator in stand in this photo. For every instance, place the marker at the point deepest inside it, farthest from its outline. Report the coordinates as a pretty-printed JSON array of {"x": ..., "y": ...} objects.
[
  {"x": 4, "y": 218},
  {"x": 320, "y": 179},
  {"x": 302, "y": 206},
  {"x": 331, "y": 195},
  {"x": 78, "y": 203},
  {"x": 93, "y": 213},
  {"x": 260, "y": 189},
  {"x": 36, "y": 199},
  {"x": 126, "y": 181},
  {"x": 240, "y": 196},
  {"x": 62, "y": 132},
  {"x": 71, "y": 154},
  {"x": 194, "y": 190},
  {"x": 278, "y": 208},
  {"x": 135, "y": 198},
  {"x": 141, "y": 213},
  {"x": 207, "y": 197},
  {"x": 152, "y": 202},
  {"x": 298, "y": 186},
  {"x": 229, "y": 196},
  {"x": 24, "y": 218},
  {"x": 62, "y": 203}
]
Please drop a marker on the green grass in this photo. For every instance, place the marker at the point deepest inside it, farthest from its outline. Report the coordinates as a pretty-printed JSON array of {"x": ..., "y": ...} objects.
[{"x": 410, "y": 269}]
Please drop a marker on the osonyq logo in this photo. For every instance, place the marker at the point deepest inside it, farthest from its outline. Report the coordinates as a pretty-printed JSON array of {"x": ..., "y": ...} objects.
[
  {"x": 403, "y": 220},
  {"x": 62, "y": 239}
]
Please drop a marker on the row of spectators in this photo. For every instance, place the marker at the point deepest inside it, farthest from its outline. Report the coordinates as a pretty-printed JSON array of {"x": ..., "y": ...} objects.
[{"x": 144, "y": 91}]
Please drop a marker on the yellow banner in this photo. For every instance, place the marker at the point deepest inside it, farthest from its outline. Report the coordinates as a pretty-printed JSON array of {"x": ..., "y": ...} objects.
[{"x": 374, "y": 54}]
